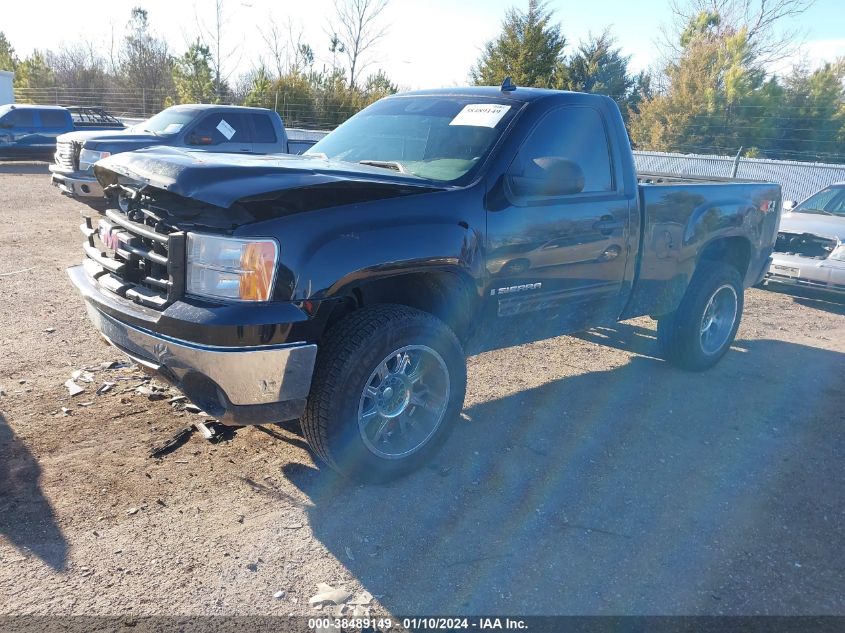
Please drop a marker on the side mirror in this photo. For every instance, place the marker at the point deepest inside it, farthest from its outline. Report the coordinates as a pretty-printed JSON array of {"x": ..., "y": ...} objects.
[
  {"x": 199, "y": 139},
  {"x": 547, "y": 176},
  {"x": 788, "y": 205}
]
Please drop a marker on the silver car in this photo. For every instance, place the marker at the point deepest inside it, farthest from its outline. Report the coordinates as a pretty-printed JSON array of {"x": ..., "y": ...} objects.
[{"x": 810, "y": 247}]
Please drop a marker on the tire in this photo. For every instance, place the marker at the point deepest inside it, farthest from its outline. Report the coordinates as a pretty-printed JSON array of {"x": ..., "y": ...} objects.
[
  {"x": 681, "y": 335},
  {"x": 370, "y": 419}
]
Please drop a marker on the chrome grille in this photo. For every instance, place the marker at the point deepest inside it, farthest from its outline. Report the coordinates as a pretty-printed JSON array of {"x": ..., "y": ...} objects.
[
  {"x": 136, "y": 255},
  {"x": 805, "y": 245},
  {"x": 67, "y": 155}
]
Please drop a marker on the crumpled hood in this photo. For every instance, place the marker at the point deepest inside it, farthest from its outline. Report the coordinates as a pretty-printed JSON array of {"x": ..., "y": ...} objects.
[
  {"x": 223, "y": 179},
  {"x": 816, "y": 224}
]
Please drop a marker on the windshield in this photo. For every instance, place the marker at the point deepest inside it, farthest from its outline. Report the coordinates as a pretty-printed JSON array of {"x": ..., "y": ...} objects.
[
  {"x": 438, "y": 138},
  {"x": 168, "y": 122},
  {"x": 830, "y": 201}
]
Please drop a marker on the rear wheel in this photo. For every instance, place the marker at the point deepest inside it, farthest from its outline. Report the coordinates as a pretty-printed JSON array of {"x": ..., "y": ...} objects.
[
  {"x": 388, "y": 384},
  {"x": 701, "y": 330}
]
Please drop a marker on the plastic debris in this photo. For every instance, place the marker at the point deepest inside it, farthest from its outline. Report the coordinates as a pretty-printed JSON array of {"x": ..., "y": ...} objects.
[
  {"x": 326, "y": 594},
  {"x": 82, "y": 375},
  {"x": 73, "y": 389},
  {"x": 132, "y": 511},
  {"x": 50, "y": 330},
  {"x": 105, "y": 387},
  {"x": 279, "y": 595},
  {"x": 364, "y": 598}
]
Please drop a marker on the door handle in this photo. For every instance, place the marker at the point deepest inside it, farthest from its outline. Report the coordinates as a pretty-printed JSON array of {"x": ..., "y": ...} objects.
[{"x": 608, "y": 225}]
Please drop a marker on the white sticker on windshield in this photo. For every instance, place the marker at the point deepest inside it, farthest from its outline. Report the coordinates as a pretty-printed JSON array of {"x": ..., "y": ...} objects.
[
  {"x": 225, "y": 129},
  {"x": 481, "y": 114},
  {"x": 173, "y": 128}
]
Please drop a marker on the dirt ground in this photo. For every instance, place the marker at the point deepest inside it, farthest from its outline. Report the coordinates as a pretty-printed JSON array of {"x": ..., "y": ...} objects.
[{"x": 586, "y": 476}]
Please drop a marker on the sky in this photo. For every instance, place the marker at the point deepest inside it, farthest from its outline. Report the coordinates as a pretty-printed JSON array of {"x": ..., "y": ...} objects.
[{"x": 428, "y": 43}]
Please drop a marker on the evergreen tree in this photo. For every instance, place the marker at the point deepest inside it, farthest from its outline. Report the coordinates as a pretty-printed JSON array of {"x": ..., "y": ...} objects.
[
  {"x": 529, "y": 49},
  {"x": 193, "y": 75},
  {"x": 8, "y": 59}
]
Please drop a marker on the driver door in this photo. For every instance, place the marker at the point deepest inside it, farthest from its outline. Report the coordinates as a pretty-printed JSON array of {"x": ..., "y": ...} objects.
[{"x": 561, "y": 255}]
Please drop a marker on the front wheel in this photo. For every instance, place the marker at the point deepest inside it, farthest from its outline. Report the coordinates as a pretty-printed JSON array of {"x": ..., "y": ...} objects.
[
  {"x": 701, "y": 330},
  {"x": 388, "y": 384}
]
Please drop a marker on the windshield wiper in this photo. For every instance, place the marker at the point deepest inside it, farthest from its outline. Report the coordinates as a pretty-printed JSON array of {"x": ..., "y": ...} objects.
[{"x": 395, "y": 165}]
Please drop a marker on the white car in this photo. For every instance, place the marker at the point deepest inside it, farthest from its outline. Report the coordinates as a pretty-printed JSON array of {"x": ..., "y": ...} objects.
[{"x": 810, "y": 247}]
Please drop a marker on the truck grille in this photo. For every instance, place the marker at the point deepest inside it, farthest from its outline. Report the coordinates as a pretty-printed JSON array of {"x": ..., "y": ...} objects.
[
  {"x": 805, "y": 245},
  {"x": 67, "y": 155},
  {"x": 136, "y": 255}
]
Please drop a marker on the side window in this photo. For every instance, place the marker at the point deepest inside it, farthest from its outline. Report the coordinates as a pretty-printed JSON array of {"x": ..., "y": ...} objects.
[
  {"x": 19, "y": 118},
  {"x": 52, "y": 118},
  {"x": 565, "y": 140},
  {"x": 222, "y": 127},
  {"x": 262, "y": 128}
]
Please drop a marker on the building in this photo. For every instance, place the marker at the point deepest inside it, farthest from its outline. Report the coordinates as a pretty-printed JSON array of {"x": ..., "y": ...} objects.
[{"x": 6, "y": 94}]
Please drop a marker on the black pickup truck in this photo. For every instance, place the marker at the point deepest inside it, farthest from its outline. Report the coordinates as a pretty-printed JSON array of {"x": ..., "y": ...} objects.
[{"x": 342, "y": 287}]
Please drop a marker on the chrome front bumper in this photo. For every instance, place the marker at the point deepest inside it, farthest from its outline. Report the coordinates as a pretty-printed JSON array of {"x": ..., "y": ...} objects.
[
  {"x": 76, "y": 184},
  {"x": 238, "y": 385},
  {"x": 825, "y": 274}
]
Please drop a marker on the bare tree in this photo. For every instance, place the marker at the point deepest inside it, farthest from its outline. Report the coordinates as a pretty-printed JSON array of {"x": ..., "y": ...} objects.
[
  {"x": 768, "y": 24},
  {"x": 357, "y": 30},
  {"x": 215, "y": 37},
  {"x": 288, "y": 50}
]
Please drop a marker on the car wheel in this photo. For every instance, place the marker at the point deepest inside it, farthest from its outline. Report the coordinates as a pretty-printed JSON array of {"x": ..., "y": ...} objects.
[
  {"x": 388, "y": 384},
  {"x": 701, "y": 330}
]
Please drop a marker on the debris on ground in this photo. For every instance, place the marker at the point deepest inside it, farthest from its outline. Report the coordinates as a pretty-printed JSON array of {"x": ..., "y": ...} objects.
[
  {"x": 152, "y": 392},
  {"x": 66, "y": 411},
  {"x": 279, "y": 595},
  {"x": 82, "y": 375},
  {"x": 73, "y": 389},
  {"x": 132, "y": 511},
  {"x": 50, "y": 330},
  {"x": 326, "y": 594},
  {"x": 84, "y": 404},
  {"x": 174, "y": 442},
  {"x": 176, "y": 399},
  {"x": 105, "y": 387}
]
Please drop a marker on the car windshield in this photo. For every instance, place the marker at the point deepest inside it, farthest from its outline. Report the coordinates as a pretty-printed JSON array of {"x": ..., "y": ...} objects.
[
  {"x": 433, "y": 137},
  {"x": 830, "y": 201},
  {"x": 168, "y": 122}
]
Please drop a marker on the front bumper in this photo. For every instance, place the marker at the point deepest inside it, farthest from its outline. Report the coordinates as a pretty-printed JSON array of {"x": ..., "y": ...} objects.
[
  {"x": 825, "y": 274},
  {"x": 237, "y": 385},
  {"x": 76, "y": 184}
]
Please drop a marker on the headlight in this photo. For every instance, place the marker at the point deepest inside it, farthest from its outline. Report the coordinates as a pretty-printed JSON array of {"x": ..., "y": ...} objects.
[
  {"x": 838, "y": 253},
  {"x": 88, "y": 157},
  {"x": 229, "y": 268}
]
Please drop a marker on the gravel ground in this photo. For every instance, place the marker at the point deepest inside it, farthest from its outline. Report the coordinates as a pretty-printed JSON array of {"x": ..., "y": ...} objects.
[{"x": 586, "y": 476}]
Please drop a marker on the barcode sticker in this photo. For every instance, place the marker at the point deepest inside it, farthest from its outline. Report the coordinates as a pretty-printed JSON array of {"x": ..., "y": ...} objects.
[{"x": 225, "y": 129}]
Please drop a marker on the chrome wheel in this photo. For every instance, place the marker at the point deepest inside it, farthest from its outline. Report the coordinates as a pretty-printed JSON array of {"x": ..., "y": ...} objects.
[
  {"x": 719, "y": 318},
  {"x": 403, "y": 402}
]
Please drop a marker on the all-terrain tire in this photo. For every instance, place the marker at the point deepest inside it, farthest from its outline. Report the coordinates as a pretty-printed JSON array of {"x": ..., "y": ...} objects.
[
  {"x": 351, "y": 352},
  {"x": 679, "y": 334}
]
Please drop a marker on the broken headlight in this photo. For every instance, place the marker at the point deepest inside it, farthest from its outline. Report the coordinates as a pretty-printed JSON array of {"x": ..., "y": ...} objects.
[{"x": 231, "y": 268}]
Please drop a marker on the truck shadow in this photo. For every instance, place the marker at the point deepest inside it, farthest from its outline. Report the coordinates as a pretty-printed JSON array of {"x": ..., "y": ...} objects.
[
  {"x": 27, "y": 520},
  {"x": 641, "y": 489},
  {"x": 9, "y": 166}
]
